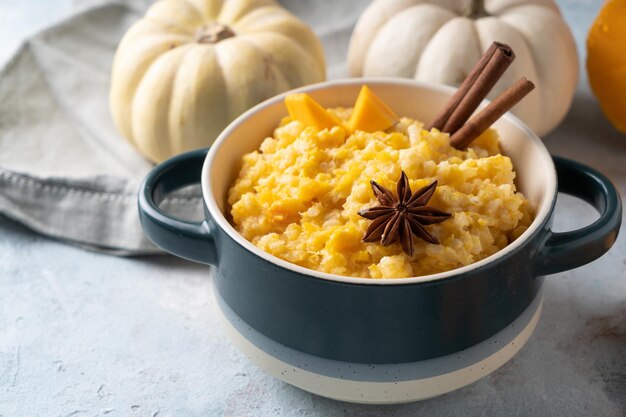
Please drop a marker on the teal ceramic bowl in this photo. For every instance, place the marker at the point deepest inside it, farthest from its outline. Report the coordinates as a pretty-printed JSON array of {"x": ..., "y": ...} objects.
[{"x": 378, "y": 341}]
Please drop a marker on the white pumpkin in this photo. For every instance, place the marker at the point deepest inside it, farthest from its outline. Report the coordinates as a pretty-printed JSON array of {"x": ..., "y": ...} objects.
[
  {"x": 189, "y": 67},
  {"x": 440, "y": 41}
]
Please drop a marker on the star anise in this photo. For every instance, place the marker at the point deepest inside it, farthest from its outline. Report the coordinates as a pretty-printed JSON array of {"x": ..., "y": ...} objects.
[{"x": 397, "y": 218}]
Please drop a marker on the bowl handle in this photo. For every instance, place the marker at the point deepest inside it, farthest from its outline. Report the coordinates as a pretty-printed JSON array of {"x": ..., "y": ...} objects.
[
  {"x": 568, "y": 250},
  {"x": 187, "y": 239}
]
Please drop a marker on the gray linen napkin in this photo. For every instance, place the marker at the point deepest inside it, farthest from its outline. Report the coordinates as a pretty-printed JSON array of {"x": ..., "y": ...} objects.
[{"x": 64, "y": 169}]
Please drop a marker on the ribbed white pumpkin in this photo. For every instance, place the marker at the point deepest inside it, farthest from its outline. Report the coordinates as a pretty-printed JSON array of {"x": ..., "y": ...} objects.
[
  {"x": 440, "y": 41},
  {"x": 189, "y": 67}
]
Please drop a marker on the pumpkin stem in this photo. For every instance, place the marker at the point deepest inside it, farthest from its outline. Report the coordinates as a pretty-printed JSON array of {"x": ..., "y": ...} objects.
[
  {"x": 214, "y": 33},
  {"x": 476, "y": 10}
]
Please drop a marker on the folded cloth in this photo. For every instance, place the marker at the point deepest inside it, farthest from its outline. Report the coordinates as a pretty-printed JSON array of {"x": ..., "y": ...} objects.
[{"x": 65, "y": 171}]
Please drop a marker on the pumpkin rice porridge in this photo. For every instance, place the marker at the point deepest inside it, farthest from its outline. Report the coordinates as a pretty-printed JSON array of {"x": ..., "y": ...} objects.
[{"x": 298, "y": 197}]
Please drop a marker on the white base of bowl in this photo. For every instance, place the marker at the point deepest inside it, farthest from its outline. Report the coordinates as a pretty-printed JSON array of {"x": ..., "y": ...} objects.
[{"x": 380, "y": 384}]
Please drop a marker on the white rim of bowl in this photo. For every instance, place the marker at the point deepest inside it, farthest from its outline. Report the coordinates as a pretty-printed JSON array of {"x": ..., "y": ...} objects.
[{"x": 220, "y": 219}]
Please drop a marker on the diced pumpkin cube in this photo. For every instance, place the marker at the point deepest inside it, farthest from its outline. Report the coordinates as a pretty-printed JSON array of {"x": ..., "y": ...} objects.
[
  {"x": 370, "y": 114},
  {"x": 303, "y": 108}
]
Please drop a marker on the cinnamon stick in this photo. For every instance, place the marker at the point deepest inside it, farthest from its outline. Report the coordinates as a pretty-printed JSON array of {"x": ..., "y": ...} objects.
[
  {"x": 474, "y": 88},
  {"x": 494, "y": 110}
]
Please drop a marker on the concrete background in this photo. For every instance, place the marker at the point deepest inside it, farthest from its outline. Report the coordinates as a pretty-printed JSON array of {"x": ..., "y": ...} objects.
[{"x": 84, "y": 334}]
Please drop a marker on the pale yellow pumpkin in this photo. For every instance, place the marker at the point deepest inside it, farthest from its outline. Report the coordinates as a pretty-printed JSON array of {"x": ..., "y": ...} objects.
[
  {"x": 440, "y": 41},
  {"x": 189, "y": 67}
]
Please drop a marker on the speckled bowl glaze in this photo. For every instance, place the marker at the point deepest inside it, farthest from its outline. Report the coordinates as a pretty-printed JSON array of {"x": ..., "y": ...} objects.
[{"x": 378, "y": 341}]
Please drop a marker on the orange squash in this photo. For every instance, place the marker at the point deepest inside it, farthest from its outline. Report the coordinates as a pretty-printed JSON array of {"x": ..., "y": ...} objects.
[
  {"x": 606, "y": 61},
  {"x": 370, "y": 114},
  {"x": 303, "y": 108}
]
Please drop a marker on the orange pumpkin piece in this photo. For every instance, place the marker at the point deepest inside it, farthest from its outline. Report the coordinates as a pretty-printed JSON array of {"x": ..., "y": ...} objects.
[
  {"x": 370, "y": 113},
  {"x": 303, "y": 108},
  {"x": 606, "y": 61}
]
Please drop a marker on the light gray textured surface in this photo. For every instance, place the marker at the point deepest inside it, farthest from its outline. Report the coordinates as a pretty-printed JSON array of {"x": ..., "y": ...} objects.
[{"x": 84, "y": 334}]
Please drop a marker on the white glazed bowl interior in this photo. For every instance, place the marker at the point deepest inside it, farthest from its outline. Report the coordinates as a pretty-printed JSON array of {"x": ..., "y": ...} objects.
[{"x": 536, "y": 176}]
